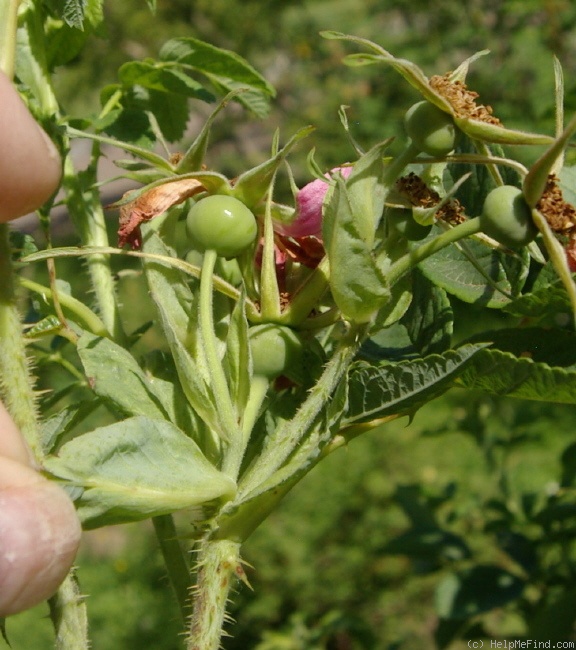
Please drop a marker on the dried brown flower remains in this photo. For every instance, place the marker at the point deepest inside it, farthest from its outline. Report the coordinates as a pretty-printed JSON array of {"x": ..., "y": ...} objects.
[
  {"x": 462, "y": 100},
  {"x": 419, "y": 194}
]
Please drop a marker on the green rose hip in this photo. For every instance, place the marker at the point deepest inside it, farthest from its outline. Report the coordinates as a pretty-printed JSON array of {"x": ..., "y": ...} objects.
[
  {"x": 433, "y": 131},
  {"x": 275, "y": 349},
  {"x": 221, "y": 223},
  {"x": 506, "y": 217}
]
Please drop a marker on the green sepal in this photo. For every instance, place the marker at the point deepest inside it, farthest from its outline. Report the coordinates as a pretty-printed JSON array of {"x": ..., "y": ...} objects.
[
  {"x": 253, "y": 185},
  {"x": 367, "y": 191},
  {"x": 536, "y": 179},
  {"x": 177, "y": 319},
  {"x": 193, "y": 159},
  {"x": 237, "y": 357},
  {"x": 416, "y": 78},
  {"x": 357, "y": 284}
]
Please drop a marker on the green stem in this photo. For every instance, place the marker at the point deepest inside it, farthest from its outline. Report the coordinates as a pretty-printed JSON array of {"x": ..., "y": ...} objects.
[
  {"x": 88, "y": 216},
  {"x": 258, "y": 389},
  {"x": 80, "y": 312},
  {"x": 15, "y": 380},
  {"x": 175, "y": 561},
  {"x": 419, "y": 254},
  {"x": 227, "y": 415},
  {"x": 68, "y": 614},
  {"x": 218, "y": 566}
]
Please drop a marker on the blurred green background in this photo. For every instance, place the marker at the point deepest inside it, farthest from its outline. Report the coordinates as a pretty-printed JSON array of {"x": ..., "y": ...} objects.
[{"x": 361, "y": 553}]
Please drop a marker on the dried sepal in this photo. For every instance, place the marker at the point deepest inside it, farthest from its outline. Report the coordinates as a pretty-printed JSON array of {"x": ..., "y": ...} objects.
[{"x": 150, "y": 204}]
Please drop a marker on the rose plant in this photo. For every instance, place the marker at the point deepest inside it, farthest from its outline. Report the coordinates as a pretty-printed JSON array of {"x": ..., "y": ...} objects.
[{"x": 265, "y": 375}]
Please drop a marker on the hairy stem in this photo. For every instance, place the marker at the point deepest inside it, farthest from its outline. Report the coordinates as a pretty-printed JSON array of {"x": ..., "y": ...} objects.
[
  {"x": 68, "y": 614},
  {"x": 218, "y": 566},
  {"x": 425, "y": 250},
  {"x": 86, "y": 211},
  {"x": 15, "y": 379},
  {"x": 227, "y": 413}
]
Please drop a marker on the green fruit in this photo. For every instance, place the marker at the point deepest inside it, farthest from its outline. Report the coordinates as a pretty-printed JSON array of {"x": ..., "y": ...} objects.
[
  {"x": 221, "y": 223},
  {"x": 506, "y": 217},
  {"x": 401, "y": 221},
  {"x": 275, "y": 349},
  {"x": 433, "y": 131}
]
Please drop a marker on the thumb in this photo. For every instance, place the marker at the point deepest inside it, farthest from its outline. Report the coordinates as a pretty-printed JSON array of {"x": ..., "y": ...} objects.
[
  {"x": 39, "y": 537},
  {"x": 30, "y": 166}
]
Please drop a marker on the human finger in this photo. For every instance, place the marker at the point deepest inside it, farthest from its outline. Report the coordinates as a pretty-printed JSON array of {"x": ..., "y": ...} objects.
[
  {"x": 30, "y": 166},
  {"x": 12, "y": 444},
  {"x": 39, "y": 537}
]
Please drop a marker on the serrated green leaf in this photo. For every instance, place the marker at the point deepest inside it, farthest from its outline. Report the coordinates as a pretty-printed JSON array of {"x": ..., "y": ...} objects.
[
  {"x": 156, "y": 76},
  {"x": 429, "y": 319},
  {"x": 133, "y": 126},
  {"x": 227, "y": 70},
  {"x": 452, "y": 270},
  {"x": 171, "y": 113},
  {"x": 502, "y": 373},
  {"x": 544, "y": 303},
  {"x": 377, "y": 391},
  {"x": 556, "y": 347},
  {"x": 73, "y": 13},
  {"x": 214, "y": 60},
  {"x": 63, "y": 43},
  {"x": 136, "y": 469},
  {"x": 255, "y": 101},
  {"x": 357, "y": 284}
]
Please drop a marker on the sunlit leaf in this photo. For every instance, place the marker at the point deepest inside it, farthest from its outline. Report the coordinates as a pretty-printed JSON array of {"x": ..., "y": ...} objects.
[
  {"x": 136, "y": 469},
  {"x": 376, "y": 391}
]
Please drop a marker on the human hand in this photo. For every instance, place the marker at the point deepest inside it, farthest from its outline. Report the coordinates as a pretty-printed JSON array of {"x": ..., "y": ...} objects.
[{"x": 39, "y": 529}]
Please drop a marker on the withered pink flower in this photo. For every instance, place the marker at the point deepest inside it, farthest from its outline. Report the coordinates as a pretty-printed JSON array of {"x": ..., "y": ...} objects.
[{"x": 309, "y": 200}]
